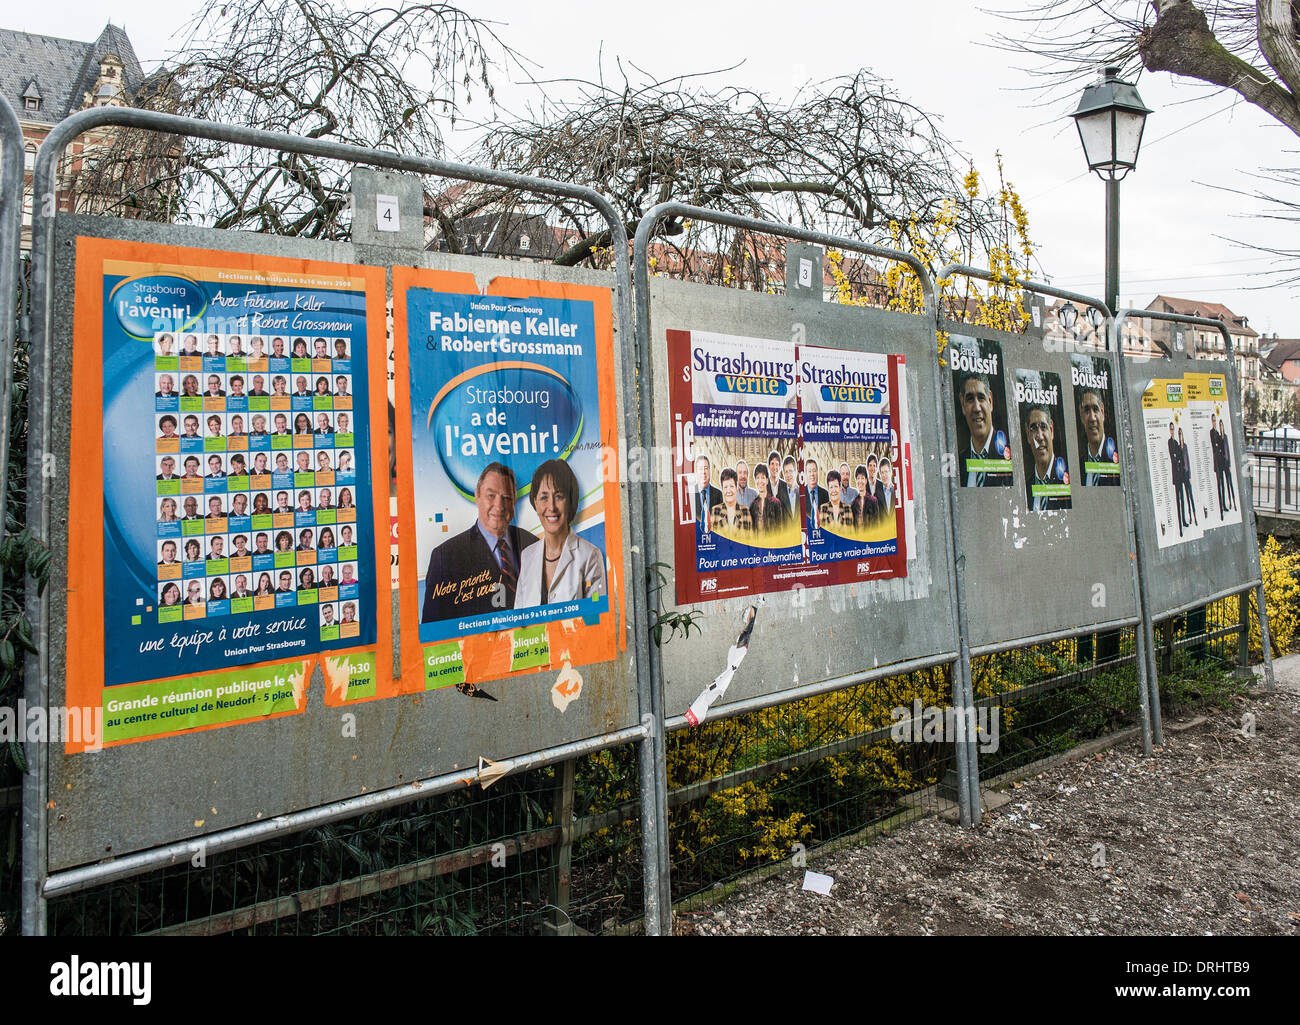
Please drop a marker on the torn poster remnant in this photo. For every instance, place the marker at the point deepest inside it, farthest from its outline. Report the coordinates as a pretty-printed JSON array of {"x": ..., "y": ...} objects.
[{"x": 735, "y": 655}]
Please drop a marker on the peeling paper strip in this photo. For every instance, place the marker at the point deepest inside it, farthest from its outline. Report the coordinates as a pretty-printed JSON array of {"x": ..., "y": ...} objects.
[
  {"x": 489, "y": 771},
  {"x": 699, "y": 709}
]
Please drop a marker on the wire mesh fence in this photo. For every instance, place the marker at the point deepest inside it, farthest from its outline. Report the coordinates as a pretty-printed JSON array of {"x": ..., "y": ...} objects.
[
  {"x": 1044, "y": 699},
  {"x": 557, "y": 850},
  {"x": 467, "y": 863}
]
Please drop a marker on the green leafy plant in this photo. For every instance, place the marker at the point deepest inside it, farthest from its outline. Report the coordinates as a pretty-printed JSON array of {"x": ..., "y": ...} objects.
[{"x": 656, "y": 581}]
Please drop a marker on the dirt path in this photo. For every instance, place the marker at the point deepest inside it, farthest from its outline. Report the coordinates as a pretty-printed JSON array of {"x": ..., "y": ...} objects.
[{"x": 1202, "y": 839}]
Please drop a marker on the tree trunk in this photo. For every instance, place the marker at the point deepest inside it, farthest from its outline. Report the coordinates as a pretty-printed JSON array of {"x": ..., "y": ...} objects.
[{"x": 1182, "y": 43}]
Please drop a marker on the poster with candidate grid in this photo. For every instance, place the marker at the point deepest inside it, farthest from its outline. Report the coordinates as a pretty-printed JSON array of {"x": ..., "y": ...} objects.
[{"x": 221, "y": 434}]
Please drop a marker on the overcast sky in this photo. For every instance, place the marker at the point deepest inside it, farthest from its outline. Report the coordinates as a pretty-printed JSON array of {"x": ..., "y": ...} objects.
[{"x": 1174, "y": 221}]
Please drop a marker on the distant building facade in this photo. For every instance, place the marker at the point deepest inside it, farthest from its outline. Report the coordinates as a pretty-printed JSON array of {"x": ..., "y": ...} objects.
[
  {"x": 45, "y": 80},
  {"x": 1279, "y": 382},
  {"x": 1209, "y": 341}
]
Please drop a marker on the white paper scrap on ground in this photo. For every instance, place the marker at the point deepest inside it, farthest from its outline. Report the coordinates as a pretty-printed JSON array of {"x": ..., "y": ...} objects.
[
  {"x": 818, "y": 883},
  {"x": 735, "y": 655}
]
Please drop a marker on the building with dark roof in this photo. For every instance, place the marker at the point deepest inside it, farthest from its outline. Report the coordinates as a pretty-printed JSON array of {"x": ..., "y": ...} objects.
[
  {"x": 1278, "y": 394},
  {"x": 1209, "y": 342},
  {"x": 45, "y": 79}
]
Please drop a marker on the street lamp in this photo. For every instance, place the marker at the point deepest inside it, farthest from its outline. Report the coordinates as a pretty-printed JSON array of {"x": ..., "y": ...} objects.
[
  {"x": 1110, "y": 118},
  {"x": 1067, "y": 316}
]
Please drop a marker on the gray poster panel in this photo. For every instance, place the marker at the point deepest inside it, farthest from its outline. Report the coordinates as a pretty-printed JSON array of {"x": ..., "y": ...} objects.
[
  {"x": 1222, "y": 559},
  {"x": 179, "y": 788},
  {"x": 804, "y": 636},
  {"x": 1032, "y": 573}
]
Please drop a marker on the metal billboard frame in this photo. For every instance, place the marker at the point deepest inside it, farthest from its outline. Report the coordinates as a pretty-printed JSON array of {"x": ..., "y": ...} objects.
[
  {"x": 37, "y": 885},
  {"x": 1148, "y": 621},
  {"x": 1144, "y": 660},
  {"x": 11, "y": 227},
  {"x": 968, "y": 782}
]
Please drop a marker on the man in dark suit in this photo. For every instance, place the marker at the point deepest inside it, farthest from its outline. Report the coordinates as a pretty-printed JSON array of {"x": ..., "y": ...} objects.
[
  {"x": 1176, "y": 466},
  {"x": 704, "y": 496},
  {"x": 477, "y": 571},
  {"x": 1226, "y": 447},
  {"x": 1040, "y": 430},
  {"x": 817, "y": 495},
  {"x": 1187, "y": 475},
  {"x": 975, "y": 402},
  {"x": 168, "y": 466},
  {"x": 1099, "y": 448},
  {"x": 787, "y": 492},
  {"x": 875, "y": 486},
  {"x": 1217, "y": 452}
]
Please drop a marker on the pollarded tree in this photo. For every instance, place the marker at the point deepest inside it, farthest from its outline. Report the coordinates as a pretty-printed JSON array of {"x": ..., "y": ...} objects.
[
  {"x": 847, "y": 156},
  {"x": 381, "y": 77}
]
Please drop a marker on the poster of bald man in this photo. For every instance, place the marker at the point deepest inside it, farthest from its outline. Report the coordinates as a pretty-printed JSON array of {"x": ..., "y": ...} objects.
[
  {"x": 1042, "y": 439},
  {"x": 979, "y": 393}
]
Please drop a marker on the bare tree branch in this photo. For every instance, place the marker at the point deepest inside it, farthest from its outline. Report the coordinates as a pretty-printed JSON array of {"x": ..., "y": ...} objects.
[
  {"x": 385, "y": 76},
  {"x": 847, "y": 157}
]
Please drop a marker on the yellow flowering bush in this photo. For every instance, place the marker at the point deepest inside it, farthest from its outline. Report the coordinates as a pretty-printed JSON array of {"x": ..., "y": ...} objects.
[
  {"x": 1006, "y": 253},
  {"x": 1280, "y": 571},
  {"x": 761, "y": 820}
]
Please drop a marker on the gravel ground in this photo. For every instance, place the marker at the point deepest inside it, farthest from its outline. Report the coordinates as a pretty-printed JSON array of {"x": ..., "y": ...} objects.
[{"x": 1202, "y": 839}]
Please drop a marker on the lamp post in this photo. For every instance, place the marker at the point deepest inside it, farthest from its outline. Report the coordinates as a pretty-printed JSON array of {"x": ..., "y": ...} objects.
[{"x": 1110, "y": 118}]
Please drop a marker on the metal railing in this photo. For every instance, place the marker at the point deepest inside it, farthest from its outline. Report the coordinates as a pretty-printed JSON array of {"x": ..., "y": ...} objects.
[{"x": 1275, "y": 479}]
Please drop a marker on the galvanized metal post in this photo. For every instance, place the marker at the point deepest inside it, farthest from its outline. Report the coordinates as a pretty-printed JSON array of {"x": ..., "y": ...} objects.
[
  {"x": 11, "y": 207},
  {"x": 1243, "y": 633},
  {"x": 968, "y": 773},
  {"x": 11, "y": 226}
]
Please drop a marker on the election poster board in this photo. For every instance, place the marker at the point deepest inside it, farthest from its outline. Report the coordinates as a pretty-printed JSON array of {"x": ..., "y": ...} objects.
[
  {"x": 221, "y": 434},
  {"x": 979, "y": 393},
  {"x": 1215, "y": 473},
  {"x": 1166, "y": 424},
  {"x": 849, "y": 420},
  {"x": 789, "y": 468},
  {"x": 509, "y": 523},
  {"x": 1098, "y": 462},
  {"x": 1042, "y": 439}
]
